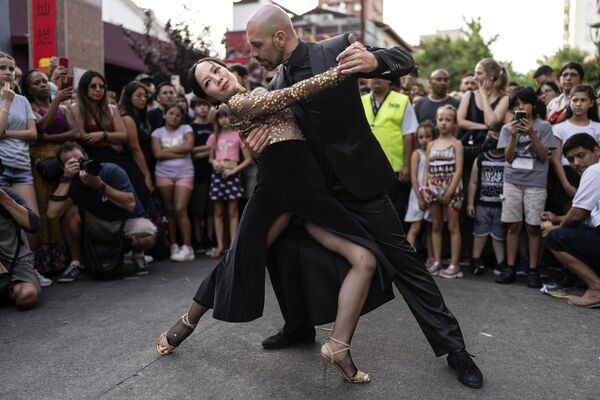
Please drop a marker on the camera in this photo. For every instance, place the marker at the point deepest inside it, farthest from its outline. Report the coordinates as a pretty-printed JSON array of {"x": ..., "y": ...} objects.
[{"x": 91, "y": 167}]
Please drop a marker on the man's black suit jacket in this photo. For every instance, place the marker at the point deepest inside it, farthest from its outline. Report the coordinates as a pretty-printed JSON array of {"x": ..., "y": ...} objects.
[{"x": 334, "y": 122}]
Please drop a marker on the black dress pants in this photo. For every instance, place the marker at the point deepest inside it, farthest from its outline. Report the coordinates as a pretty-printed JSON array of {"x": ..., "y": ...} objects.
[{"x": 407, "y": 271}]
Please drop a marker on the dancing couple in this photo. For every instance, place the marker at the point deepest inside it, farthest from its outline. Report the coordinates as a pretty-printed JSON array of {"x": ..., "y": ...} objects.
[{"x": 320, "y": 164}]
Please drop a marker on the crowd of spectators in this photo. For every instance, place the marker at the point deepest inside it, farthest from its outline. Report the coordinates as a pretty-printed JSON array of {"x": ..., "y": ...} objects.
[{"x": 91, "y": 178}]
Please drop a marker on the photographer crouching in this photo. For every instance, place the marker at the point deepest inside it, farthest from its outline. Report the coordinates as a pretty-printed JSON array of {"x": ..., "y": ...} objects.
[
  {"x": 106, "y": 202},
  {"x": 17, "y": 276}
]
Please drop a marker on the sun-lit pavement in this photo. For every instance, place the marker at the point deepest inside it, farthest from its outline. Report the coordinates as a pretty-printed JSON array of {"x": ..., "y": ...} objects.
[{"x": 95, "y": 339}]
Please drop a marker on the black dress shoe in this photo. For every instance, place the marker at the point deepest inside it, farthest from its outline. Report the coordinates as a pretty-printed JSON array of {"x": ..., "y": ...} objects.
[
  {"x": 469, "y": 373},
  {"x": 284, "y": 339}
]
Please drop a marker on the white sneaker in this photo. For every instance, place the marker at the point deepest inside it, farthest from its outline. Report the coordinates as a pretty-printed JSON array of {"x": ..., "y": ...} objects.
[
  {"x": 452, "y": 272},
  {"x": 434, "y": 268},
  {"x": 186, "y": 253},
  {"x": 174, "y": 250},
  {"x": 44, "y": 282}
]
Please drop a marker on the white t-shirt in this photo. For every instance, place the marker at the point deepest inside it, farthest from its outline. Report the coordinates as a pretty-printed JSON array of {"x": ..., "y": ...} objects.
[
  {"x": 587, "y": 196},
  {"x": 566, "y": 129},
  {"x": 409, "y": 121}
]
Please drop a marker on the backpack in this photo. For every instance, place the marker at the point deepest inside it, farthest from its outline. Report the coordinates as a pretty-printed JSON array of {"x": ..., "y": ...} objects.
[{"x": 103, "y": 259}]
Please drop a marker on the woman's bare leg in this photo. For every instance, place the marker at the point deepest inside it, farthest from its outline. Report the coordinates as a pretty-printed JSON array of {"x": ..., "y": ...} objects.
[
  {"x": 353, "y": 292},
  {"x": 180, "y": 331}
]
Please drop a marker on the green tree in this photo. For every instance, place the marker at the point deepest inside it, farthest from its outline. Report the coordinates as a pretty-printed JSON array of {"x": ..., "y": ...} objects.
[
  {"x": 173, "y": 57},
  {"x": 566, "y": 54},
  {"x": 459, "y": 56}
]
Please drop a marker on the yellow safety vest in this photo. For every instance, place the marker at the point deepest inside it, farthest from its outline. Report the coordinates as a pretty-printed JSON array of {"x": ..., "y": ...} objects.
[{"x": 387, "y": 125}]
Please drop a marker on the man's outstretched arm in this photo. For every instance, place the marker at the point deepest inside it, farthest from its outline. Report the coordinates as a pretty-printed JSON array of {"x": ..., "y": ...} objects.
[{"x": 374, "y": 62}]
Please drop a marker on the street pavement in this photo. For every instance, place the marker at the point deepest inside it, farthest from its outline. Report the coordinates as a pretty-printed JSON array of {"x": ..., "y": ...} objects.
[{"x": 95, "y": 340}]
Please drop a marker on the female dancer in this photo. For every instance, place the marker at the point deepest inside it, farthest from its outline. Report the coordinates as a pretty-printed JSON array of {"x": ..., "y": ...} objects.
[{"x": 289, "y": 182}]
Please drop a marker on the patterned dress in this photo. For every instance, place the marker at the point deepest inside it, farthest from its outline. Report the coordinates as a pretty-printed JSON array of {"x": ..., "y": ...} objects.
[{"x": 442, "y": 166}]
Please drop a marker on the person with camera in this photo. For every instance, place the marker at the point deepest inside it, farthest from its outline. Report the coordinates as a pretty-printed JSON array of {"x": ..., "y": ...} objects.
[
  {"x": 55, "y": 125},
  {"x": 106, "y": 199},
  {"x": 17, "y": 276}
]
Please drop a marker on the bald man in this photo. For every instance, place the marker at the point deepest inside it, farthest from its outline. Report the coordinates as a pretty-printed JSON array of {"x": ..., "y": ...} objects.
[
  {"x": 358, "y": 175},
  {"x": 427, "y": 107}
]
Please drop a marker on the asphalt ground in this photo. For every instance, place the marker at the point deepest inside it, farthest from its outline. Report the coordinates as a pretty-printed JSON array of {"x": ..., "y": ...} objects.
[{"x": 95, "y": 340}]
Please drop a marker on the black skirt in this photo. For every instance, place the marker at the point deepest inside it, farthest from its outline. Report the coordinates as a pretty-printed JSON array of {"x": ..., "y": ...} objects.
[{"x": 289, "y": 181}]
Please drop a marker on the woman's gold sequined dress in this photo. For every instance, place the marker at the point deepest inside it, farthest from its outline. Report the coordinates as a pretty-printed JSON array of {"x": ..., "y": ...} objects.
[{"x": 289, "y": 181}]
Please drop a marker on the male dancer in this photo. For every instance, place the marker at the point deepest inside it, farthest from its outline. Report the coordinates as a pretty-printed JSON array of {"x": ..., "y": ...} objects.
[{"x": 357, "y": 172}]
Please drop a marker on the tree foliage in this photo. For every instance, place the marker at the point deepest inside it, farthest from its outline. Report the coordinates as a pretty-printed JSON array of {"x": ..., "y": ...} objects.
[
  {"x": 173, "y": 57},
  {"x": 457, "y": 56},
  {"x": 566, "y": 54}
]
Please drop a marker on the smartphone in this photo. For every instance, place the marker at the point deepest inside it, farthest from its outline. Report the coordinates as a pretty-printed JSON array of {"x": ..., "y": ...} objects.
[
  {"x": 54, "y": 61},
  {"x": 66, "y": 81},
  {"x": 175, "y": 81},
  {"x": 520, "y": 115},
  {"x": 63, "y": 62}
]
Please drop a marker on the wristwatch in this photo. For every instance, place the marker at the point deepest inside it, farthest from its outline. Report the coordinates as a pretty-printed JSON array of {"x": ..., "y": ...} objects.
[{"x": 66, "y": 179}]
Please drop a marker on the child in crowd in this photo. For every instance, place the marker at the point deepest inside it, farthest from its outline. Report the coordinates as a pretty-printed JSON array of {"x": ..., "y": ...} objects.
[
  {"x": 172, "y": 146},
  {"x": 443, "y": 190},
  {"x": 485, "y": 203},
  {"x": 225, "y": 180},
  {"x": 417, "y": 208},
  {"x": 581, "y": 117},
  {"x": 526, "y": 142}
]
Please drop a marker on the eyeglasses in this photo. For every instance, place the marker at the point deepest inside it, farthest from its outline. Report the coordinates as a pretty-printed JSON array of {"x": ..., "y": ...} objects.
[{"x": 97, "y": 86}]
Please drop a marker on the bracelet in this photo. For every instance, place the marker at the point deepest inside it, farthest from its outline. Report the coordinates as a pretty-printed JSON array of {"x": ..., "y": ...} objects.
[
  {"x": 55, "y": 197},
  {"x": 105, "y": 135},
  {"x": 66, "y": 179}
]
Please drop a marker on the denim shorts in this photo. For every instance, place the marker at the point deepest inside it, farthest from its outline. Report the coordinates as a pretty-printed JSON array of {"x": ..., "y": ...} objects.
[
  {"x": 16, "y": 176},
  {"x": 488, "y": 222}
]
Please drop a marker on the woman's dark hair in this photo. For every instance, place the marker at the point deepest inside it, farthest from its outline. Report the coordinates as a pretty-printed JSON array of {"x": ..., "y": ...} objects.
[
  {"x": 126, "y": 106},
  {"x": 573, "y": 65},
  {"x": 583, "y": 139},
  {"x": 217, "y": 129},
  {"x": 552, "y": 85},
  {"x": 191, "y": 78},
  {"x": 102, "y": 115},
  {"x": 527, "y": 95},
  {"x": 181, "y": 96},
  {"x": 589, "y": 91}
]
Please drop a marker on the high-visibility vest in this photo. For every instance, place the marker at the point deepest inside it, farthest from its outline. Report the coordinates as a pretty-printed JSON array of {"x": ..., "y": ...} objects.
[{"x": 387, "y": 125}]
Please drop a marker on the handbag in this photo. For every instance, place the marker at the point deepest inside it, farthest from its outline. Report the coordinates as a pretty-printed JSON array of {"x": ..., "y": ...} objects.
[
  {"x": 5, "y": 274},
  {"x": 49, "y": 169}
]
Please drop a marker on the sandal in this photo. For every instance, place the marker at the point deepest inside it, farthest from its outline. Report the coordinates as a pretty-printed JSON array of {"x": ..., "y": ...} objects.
[
  {"x": 359, "y": 377},
  {"x": 163, "y": 347}
]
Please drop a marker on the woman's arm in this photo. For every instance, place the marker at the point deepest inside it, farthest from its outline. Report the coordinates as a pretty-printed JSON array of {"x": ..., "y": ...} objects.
[
  {"x": 254, "y": 106},
  {"x": 186, "y": 147},
  {"x": 510, "y": 151},
  {"x": 556, "y": 161},
  {"x": 458, "y": 161},
  {"x": 163, "y": 154},
  {"x": 71, "y": 134},
  {"x": 134, "y": 146},
  {"x": 461, "y": 114},
  {"x": 46, "y": 121},
  {"x": 414, "y": 166},
  {"x": 493, "y": 116},
  {"x": 243, "y": 164},
  {"x": 119, "y": 135},
  {"x": 473, "y": 180},
  {"x": 27, "y": 135}
]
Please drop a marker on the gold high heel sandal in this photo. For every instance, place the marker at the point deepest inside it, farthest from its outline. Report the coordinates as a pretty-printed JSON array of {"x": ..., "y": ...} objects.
[
  {"x": 359, "y": 377},
  {"x": 163, "y": 347}
]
